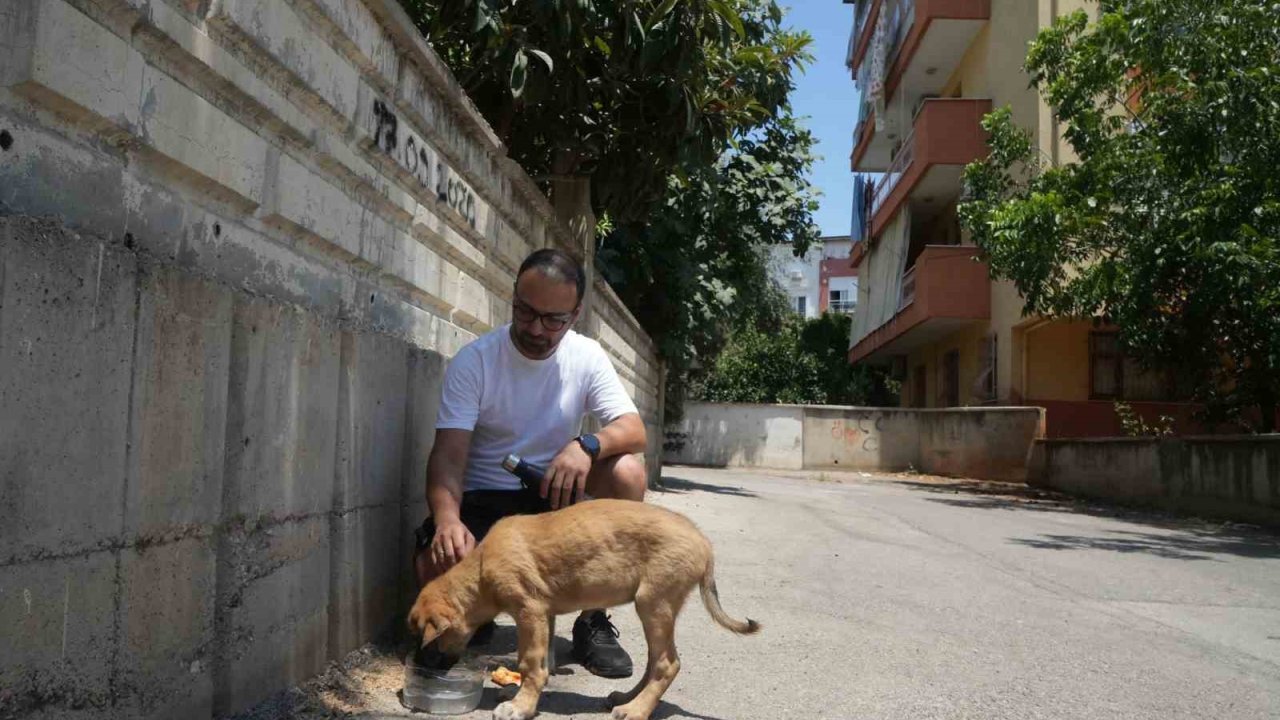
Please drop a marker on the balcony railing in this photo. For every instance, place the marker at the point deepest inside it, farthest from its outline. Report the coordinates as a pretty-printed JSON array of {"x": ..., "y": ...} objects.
[
  {"x": 908, "y": 294},
  {"x": 897, "y": 169},
  {"x": 844, "y": 307}
]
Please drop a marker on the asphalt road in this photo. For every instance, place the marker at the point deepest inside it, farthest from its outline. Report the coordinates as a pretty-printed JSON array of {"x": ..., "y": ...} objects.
[{"x": 920, "y": 598}]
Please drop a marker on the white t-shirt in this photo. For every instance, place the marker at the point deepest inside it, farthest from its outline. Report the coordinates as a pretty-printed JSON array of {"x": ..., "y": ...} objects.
[{"x": 533, "y": 408}]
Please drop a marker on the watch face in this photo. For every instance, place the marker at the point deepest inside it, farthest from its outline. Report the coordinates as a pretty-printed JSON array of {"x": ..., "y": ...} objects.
[{"x": 591, "y": 444}]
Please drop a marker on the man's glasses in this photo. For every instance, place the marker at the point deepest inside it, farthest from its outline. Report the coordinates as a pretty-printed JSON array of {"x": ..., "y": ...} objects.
[{"x": 553, "y": 322}]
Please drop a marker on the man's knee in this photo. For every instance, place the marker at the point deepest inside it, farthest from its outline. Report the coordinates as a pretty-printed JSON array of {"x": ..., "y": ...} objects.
[{"x": 623, "y": 478}]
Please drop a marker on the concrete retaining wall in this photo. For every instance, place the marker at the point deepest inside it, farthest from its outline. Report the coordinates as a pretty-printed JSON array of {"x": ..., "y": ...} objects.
[
  {"x": 1233, "y": 477},
  {"x": 991, "y": 443},
  {"x": 239, "y": 241}
]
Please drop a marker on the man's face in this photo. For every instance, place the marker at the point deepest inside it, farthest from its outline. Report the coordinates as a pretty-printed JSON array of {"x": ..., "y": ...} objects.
[{"x": 543, "y": 310}]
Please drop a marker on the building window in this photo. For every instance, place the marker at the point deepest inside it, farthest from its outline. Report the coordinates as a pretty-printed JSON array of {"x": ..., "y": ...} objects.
[
  {"x": 801, "y": 304},
  {"x": 842, "y": 301},
  {"x": 1112, "y": 376}
]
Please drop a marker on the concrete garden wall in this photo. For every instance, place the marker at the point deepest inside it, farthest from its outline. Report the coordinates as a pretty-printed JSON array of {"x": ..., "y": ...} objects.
[
  {"x": 239, "y": 241},
  {"x": 991, "y": 443},
  {"x": 1221, "y": 476}
]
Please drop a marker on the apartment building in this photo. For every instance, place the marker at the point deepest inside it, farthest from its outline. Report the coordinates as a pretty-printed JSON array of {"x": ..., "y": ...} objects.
[
  {"x": 926, "y": 72},
  {"x": 822, "y": 280}
]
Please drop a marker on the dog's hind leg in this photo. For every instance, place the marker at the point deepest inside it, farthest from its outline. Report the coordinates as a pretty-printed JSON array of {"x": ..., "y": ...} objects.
[
  {"x": 658, "y": 615},
  {"x": 622, "y": 698},
  {"x": 533, "y": 635}
]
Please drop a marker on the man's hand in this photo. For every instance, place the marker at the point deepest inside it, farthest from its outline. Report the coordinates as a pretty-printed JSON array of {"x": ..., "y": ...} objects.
[
  {"x": 451, "y": 543},
  {"x": 566, "y": 475}
]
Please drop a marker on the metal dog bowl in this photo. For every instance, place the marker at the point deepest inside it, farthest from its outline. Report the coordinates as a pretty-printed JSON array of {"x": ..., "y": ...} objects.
[{"x": 452, "y": 691}]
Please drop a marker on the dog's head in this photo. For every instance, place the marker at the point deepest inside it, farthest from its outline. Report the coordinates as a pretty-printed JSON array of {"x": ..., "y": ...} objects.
[{"x": 435, "y": 617}]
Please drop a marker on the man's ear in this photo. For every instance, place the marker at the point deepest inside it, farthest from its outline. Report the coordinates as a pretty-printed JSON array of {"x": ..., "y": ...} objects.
[{"x": 435, "y": 627}]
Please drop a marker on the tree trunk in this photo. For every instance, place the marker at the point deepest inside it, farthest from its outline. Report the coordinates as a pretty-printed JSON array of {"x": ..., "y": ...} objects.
[{"x": 571, "y": 197}]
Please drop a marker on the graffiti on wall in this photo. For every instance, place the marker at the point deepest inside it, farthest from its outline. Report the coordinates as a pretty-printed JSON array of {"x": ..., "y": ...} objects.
[
  {"x": 417, "y": 158},
  {"x": 859, "y": 433}
]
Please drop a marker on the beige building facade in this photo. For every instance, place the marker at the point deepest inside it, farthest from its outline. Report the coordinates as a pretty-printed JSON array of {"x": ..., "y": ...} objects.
[{"x": 927, "y": 72}]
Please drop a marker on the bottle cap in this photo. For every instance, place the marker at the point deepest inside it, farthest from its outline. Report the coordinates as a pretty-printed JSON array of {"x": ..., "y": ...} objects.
[{"x": 510, "y": 462}]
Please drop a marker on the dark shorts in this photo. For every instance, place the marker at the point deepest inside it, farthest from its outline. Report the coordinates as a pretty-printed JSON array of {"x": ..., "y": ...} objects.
[{"x": 482, "y": 508}]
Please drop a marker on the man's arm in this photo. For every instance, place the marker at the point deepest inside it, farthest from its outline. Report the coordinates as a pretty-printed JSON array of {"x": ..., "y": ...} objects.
[
  {"x": 624, "y": 435},
  {"x": 567, "y": 474},
  {"x": 445, "y": 472}
]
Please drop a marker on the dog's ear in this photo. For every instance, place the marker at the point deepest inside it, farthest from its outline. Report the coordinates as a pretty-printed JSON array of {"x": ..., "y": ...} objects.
[{"x": 433, "y": 628}]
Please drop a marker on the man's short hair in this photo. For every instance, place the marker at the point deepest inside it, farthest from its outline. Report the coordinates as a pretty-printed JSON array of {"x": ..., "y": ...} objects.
[{"x": 557, "y": 265}]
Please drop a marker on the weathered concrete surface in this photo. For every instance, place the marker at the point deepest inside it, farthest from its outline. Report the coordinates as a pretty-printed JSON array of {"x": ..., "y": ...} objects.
[
  {"x": 272, "y": 608},
  {"x": 1221, "y": 476},
  {"x": 913, "y": 597},
  {"x": 992, "y": 443},
  {"x": 58, "y": 636},
  {"x": 268, "y": 226},
  {"x": 167, "y": 630},
  {"x": 179, "y": 415},
  {"x": 67, "y": 326},
  {"x": 738, "y": 435}
]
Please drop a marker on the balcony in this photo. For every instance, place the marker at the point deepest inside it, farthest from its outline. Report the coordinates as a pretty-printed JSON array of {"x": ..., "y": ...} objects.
[
  {"x": 946, "y": 136},
  {"x": 945, "y": 291},
  {"x": 922, "y": 54},
  {"x": 908, "y": 294},
  {"x": 843, "y": 307}
]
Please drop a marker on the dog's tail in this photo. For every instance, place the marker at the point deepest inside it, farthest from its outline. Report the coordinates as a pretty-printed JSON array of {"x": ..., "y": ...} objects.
[{"x": 711, "y": 599}]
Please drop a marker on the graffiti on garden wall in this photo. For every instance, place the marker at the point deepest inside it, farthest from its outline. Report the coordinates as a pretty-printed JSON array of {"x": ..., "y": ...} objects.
[
  {"x": 420, "y": 160},
  {"x": 861, "y": 432}
]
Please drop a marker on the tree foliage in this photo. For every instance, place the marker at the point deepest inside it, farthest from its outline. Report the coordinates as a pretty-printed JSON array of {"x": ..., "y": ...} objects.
[
  {"x": 699, "y": 267},
  {"x": 677, "y": 112},
  {"x": 799, "y": 361},
  {"x": 624, "y": 91},
  {"x": 1169, "y": 221}
]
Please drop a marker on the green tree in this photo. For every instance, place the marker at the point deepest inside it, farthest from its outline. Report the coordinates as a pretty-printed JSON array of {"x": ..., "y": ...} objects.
[
  {"x": 798, "y": 361},
  {"x": 699, "y": 267},
  {"x": 1169, "y": 221},
  {"x": 624, "y": 92},
  {"x": 765, "y": 367},
  {"x": 668, "y": 120}
]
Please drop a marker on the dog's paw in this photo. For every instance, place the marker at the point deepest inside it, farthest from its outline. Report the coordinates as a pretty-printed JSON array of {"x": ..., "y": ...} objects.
[
  {"x": 509, "y": 711},
  {"x": 626, "y": 712},
  {"x": 617, "y": 698}
]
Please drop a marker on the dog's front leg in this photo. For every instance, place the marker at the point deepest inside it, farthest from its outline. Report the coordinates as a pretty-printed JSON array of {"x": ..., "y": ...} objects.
[{"x": 533, "y": 635}]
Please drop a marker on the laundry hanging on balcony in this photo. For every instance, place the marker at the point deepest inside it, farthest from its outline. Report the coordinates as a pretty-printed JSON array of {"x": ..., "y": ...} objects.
[
  {"x": 879, "y": 58},
  {"x": 861, "y": 209}
]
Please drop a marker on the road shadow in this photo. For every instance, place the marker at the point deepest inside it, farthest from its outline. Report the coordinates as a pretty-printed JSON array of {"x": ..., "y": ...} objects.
[
  {"x": 1176, "y": 537},
  {"x": 680, "y": 485},
  {"x": 1186, "y": 544},
  {"x": 559, "y": 702}
]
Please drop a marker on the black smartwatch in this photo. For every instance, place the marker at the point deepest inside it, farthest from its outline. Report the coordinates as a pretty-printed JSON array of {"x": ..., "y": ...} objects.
[{"x": 591, "y": 444}]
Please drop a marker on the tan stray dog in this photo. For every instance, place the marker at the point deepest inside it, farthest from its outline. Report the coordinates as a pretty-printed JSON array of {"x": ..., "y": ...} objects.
[{"x": 595, "y": 554}]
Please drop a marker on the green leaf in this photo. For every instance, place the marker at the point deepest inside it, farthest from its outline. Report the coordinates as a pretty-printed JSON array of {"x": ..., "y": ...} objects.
[
  {"x": 519, "y": 73},
  {"x": 545, "y": 58},
  {"x": 661, "y": 11},
  {"x": 729, "y": 16}
]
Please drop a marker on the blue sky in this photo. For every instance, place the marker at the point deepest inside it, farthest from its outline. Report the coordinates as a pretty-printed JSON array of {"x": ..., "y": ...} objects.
[{"x": 825, "y": 94}]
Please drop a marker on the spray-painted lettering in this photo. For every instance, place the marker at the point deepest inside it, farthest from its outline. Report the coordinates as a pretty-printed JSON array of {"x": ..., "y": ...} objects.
[{"x": 426, "y": 166}]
